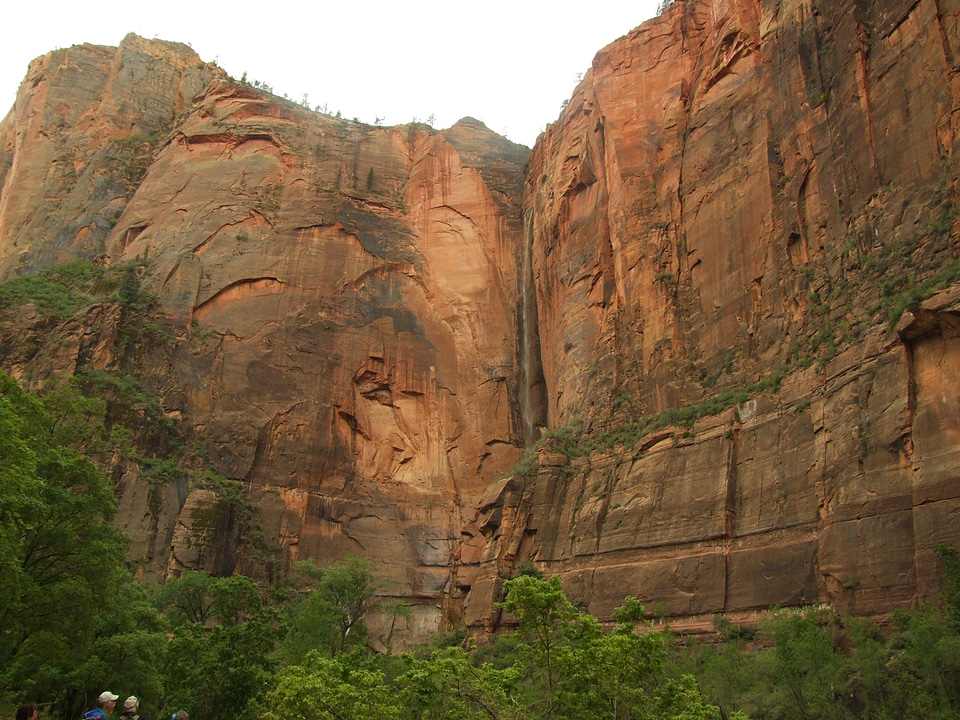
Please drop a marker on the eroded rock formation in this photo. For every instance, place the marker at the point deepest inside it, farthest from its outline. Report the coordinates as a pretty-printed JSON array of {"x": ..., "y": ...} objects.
[
  {"x": 697, "y": 280},
  {"x": 341, "y": 300},
  {"x": 740, "y": 192}
]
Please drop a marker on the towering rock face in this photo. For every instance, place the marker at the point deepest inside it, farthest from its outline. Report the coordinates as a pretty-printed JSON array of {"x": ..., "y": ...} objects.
[
  {"x": 342, "y": 301},
  {"x": 355, "y": 290},
  {"x": 731, "y": 212},
  {"x": 696, "y": 281},
  {"x": 78, "y": 141}
]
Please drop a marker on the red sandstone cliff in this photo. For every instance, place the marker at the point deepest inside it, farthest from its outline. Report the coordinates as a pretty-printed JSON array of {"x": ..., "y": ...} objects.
[
  {"x": 744, "y": 190},
  {"x": 726, "y": 222},
  {"x": 341, "y": 299}
]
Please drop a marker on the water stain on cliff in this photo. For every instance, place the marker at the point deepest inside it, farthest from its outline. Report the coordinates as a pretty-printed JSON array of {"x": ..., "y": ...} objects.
[{"x": 696, "y": 281}]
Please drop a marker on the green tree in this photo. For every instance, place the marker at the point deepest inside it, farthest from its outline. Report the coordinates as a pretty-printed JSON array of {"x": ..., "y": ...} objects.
[
  {"x": 348, "y": 589},
  {"x": 219, "y": 667},
  {"x": 808, "y": 667},
  {"x": 622, "y": 672},
  {"x": 198, "y": 597},
  {"x": 575, "y": 670},
  {"x": 545, "y": 619},
  {"x": 340, "y": 688},
  {"x": 330, "y": 616},
  {"x": 129, "y": 293},
  {"x": 132, "y": 648},
  {"x": 449, "y": 686},
  {"x": 188, "y": 598},
  {"x": 61, "y": 559},
  {"x": 950, "y": 591},
  {"x": 914, "y": 673},
  {"x": 727, "y": 672}
]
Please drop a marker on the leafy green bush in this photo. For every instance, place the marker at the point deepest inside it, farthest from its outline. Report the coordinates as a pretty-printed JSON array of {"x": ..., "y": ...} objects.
[
  {"x": 59, "y": 292},
  {"x": 64, "y": 290}
]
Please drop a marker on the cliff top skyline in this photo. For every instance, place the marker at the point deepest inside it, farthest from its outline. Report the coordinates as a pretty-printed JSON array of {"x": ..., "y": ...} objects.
[
  {"x": 726, "y": 281},
  {"x": 510, "y": 65}
]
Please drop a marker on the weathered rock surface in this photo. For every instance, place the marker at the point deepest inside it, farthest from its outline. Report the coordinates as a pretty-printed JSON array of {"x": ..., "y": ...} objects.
[
  {"x": 739, "y": 189},
  {"x": 78, "y": 140},
  {"x": 725, "y": 223},
  {"x": 341, "y": 298}
]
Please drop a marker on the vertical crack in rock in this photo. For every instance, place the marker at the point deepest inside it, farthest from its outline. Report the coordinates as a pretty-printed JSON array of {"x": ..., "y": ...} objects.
[
  {"x": 533, "y": 389},
  {"x": 725, "y": 199},
  {"x": 730, "y": 500},
  {"x": 863, "y": 84}
]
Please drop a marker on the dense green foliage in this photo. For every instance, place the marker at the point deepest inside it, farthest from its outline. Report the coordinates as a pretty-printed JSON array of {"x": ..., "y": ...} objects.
[
  {"x": 72, "y": 620},
  {"x": 563, "y": 665},
  {"x": 59, "y": 292},
  {"x": 64, "y": 594},
  {"x": 327, "y": 608},
  {"x": 217, "y": 661},
  {"x": 62, "y": 291},
  {"x": 816, "y": 664}
]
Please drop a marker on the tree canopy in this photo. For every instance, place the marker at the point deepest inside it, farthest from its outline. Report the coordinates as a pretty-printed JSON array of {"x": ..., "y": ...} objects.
[{"x": 61, "y": 559}]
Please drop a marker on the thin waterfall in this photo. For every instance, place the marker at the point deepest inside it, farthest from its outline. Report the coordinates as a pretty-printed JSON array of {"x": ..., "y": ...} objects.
[{"x": 533, "y": 388}]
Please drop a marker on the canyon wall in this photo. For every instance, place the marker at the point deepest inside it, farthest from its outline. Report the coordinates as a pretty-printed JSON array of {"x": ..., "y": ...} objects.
[
  {"x": 719, "y": 302},
  {"x": 338, "y": 302},
  {"x": 728, "y": 220}
]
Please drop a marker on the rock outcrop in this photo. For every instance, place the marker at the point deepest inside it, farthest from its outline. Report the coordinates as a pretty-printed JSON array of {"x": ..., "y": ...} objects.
[
  {"x": 79, "y": 139},
  {"x": 732, "y": 211},
  {"x": 725, "y": 281},
  {"x": 340, "y": 303}
]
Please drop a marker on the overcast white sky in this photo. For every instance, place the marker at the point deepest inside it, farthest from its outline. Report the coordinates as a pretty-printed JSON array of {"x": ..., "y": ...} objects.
[{"x": 510, "y": 63}]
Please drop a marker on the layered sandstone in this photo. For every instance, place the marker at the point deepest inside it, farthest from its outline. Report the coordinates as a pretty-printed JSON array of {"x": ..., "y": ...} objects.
[
  {"x": 78, "y": 140},
  {"x": 739, "y": 189},
  {"x": 341, "y": 300},
  {"x": 364, "y": 325}
]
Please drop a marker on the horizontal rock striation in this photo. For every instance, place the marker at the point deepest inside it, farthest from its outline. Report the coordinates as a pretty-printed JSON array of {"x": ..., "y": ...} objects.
[
  {"x": 722, "y": 292},
  {"x": 728, "y": 219}
]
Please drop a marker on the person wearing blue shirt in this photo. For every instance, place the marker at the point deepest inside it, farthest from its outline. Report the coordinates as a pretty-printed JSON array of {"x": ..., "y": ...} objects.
[{"x": 105, "y": 704}]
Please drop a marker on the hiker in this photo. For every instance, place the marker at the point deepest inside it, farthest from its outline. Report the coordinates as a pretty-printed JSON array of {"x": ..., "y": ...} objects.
[
  {"x": 27, "y": 712},
  {"x": 131, "y": 708},
  {"x": 105, "y": 704}
]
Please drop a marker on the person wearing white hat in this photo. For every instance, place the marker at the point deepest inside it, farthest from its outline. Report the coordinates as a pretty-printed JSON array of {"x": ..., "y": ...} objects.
[
  {"x": 131, "y": 708},
  {"x": 105, "y": 704}
]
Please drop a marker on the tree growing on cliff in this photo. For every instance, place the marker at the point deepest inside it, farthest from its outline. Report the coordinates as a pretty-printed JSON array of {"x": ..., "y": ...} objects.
[{"x": 663, "y": 5}]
